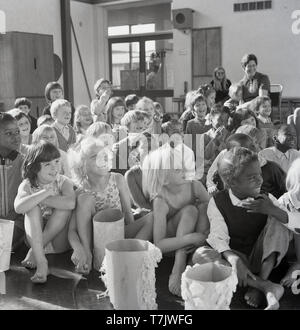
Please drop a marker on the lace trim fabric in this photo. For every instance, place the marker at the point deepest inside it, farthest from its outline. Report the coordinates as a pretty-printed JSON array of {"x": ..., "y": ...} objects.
[
  {"x": 146, "y": 284},
  {"x": 6, "y": 234},
  {"x": 207, "y": 295}
]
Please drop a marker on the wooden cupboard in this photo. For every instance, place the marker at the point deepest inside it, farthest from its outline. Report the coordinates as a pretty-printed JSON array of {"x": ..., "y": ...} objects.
[{"x": 26, "y": 66}]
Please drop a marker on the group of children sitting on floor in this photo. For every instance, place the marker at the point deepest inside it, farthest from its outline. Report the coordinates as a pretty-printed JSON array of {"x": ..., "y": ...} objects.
[{"x": 222, "y": 183}]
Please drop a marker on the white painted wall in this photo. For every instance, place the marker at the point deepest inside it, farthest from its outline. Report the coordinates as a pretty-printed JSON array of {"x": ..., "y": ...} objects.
[
  {"x": 83, "y": 20},
  {"x": 266, "y": 33}
]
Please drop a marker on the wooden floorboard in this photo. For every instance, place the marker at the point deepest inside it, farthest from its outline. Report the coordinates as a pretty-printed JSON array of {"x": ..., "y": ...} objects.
[{"x": 64, "y": 290}]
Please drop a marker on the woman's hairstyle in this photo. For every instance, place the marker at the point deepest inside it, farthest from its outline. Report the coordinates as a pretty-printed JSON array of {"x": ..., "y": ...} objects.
[
  {"x": 234, "y": 162},
  {"x": 247, "y": 58},
  {"x": 240, "y": 115},
  {"x": 98, "y": 128},
  {"x": 255, "y": 133},
  {"x": 45, "y": 120},
  {"x": 77, "y": 117},
  {"x": 22, "y": 101},
  {"x": 42, "y": 152},
  {"x": 206, "y": 90},
  {"x": 111, "y": 104},
  {"x": 38, "y": 133},
  {"x": 49, "y": 87},
  {"x": 131, "y": 99},
  {"x": 155, "y": 169},
  {"x": 293, "y": 178},
  {"x": 220, "y": 85},
  {"x": 19, "y": 114},
  {"x": 56, "y": 105},
  {"x": 189, "y": 98},
  {"x": 133, "y": 117},
  {"x": 234, "y": 89},
  {"x": 98, "y": 85}
]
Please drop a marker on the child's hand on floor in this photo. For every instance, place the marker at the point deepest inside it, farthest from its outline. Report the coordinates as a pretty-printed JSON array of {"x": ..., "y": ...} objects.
[{"x": 242, "y": 271}]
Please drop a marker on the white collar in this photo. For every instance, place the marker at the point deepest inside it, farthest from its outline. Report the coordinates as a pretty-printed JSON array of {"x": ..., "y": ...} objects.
[
  {"x": 235, "y": 200},
  {"x": 61, "y": 126},
  {"x": 294, "y": 200}
]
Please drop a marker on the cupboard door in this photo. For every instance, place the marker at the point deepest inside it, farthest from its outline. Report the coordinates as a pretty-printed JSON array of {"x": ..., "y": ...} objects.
[
  {"x": 38, "y": 104},
  {"x": 34, "y": 67}
]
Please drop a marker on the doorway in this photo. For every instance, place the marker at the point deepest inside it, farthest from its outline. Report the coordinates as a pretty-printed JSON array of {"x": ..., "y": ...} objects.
[{"x": 143, "y": 65}]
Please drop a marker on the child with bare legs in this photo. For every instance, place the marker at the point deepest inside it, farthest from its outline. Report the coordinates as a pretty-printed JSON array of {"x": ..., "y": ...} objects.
[
  {"x": 46, "y": 198},
  {"x": 179, "y": 208}
]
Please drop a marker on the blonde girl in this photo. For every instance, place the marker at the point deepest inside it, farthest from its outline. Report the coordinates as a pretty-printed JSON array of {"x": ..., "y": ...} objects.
[
  {"x": 100, "y": 192},
  {"x": 179, "y": 210}
]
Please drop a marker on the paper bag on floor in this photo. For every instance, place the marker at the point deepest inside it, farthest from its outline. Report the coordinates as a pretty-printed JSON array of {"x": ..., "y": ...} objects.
[
  {"x": 208, "y": 287},
  {"x": 129, "y": 274},
  {"x": 6, "y": 236},
  {"x": 108, "y": 226}
]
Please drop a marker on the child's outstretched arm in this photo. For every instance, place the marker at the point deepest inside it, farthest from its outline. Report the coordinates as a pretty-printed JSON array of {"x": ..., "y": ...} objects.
[
  {"x": 65, "y": 201},
  {"x": 25, "y": 201},
  {"x": 125, "y": 198}
]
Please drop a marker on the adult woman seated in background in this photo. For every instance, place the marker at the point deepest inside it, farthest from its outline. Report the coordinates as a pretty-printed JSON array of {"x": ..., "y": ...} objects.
[
  {"x": 221, "y": 84},
  {"x": 254, "y": 83}
]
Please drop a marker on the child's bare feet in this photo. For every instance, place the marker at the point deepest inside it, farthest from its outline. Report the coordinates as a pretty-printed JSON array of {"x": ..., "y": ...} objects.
[
  {"x": 175, "y": 284},
  {"x": 29, "y": 261},
  {"x": 254, "y": 297},
  {"x": 80, "y": 261},
  {"x": 288, "y": 279},
  {"x": 273, "y": 294},
  {"x": 41, "y": 273}
]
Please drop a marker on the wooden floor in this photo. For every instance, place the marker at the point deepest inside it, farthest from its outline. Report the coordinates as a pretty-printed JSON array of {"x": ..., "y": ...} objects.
[{"x": 65, "y": 290}]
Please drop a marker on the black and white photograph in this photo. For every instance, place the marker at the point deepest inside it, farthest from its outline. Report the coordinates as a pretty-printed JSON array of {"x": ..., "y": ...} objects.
[{"x": 149, "y": 157}]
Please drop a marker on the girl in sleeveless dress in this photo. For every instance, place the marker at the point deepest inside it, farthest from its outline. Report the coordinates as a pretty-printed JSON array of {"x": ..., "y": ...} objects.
[
  {"x": 99, "y": 190},
  {"x": 179, "y": 210}
]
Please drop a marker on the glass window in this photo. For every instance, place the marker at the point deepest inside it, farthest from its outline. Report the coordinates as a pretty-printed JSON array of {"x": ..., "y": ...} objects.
[{"x": 125, "y": 65}]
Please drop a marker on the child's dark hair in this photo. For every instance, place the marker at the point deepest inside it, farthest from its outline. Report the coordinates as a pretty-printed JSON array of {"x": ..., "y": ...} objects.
[
  {"x": 261, "y": 100},
  {"x": 240, "y": 139},
  {"x": 23, "y": 101},
  {"x": 166, "y": 117},
  {"x": 234, "y": 162},
  {"x": 6, "y": 118},
  {"x": 197, "y": 98},
  {"x": 19, "y": 114},
  {"x": 42, "y": 152},
  {"x": 49, "y": 87},
  {"x": 206, "y": 90},
  {"x": 247, "y": 58},
  {"x": 131, "y": 99},
  {"x": 169, "y": 125},
  {"x": 240, "y": 115},
  {"x": 111, "y": 104}
]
